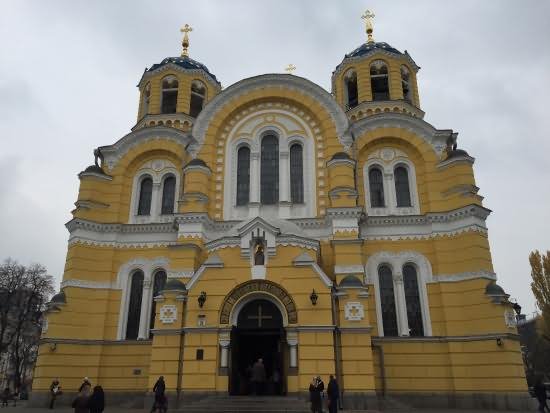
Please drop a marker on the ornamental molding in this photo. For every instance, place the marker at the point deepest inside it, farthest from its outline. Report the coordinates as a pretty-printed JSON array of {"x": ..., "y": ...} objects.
[
  {"x": 102, "y": 177},
  {"x": 112, "y": 154},
  {"x": 463, "y": 159},
  {"x": 95, "y": 285},
  {"x": 349, "y": 269},
  {"x": 354, "y": 311},
  {"x": 168, "y": 314},
  {"x": 337, "y": 162},
  {"x": 436, "y": 138},
  {"x": 246, "y": 86},
  {"x": 464, "y": 276}
]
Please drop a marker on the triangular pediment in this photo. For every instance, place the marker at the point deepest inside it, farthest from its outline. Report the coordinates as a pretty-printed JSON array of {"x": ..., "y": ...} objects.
[{"x": 258, "y": 227}]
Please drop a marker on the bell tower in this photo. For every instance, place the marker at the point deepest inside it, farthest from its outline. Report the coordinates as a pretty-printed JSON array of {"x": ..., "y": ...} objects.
[{"x": 376, "y": 78}]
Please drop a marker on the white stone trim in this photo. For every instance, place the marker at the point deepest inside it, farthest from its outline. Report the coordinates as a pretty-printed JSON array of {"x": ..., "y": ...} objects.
[
  {"x": 463, "y": 276},
  {"x": 396, "y": 261},
  {"x": 94, "y": 285},
  {"x": 387, "y": 165},
  {"x": 149, "y": 268}
]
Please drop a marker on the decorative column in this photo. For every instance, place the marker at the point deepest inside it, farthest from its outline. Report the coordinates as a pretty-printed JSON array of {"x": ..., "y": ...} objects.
[
  {"x": 155, "y": 200},
  {"x": 400, "y": 304},
  {"x": 254, "y": 197},
  {"x": 284, "y": 185},
  {"x": 292, "y": 340},
  {"x": 144, "y": 317},
  {"x": 389, "y": 191},
  {"x": 224, "y": 341}
]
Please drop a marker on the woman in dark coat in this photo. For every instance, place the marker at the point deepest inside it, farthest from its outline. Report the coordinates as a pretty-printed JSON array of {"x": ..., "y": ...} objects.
[
  {"x": 333, "y": 393},
  {"x": 81, "y": 403},
  {"x": 97, "y": 400},
  {"x": 315, "y": 389}
]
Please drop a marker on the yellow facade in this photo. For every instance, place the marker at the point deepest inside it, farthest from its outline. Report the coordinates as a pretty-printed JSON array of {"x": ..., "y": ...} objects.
[{"x": 333, "y": 229}]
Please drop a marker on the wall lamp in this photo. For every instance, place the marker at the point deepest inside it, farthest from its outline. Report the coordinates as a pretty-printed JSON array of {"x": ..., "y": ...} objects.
[
  {"x": 499, "y": 342},
  {"x": 202, "y": 298},
  {"x": 53, "y": 346},
  {"x": 313, "y": 297}
]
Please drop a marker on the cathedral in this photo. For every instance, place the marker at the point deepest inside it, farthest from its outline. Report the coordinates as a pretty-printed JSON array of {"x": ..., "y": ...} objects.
[{"x": 326, "y": 233}]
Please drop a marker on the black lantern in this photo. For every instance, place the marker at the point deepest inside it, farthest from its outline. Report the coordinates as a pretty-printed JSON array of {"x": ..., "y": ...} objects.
[
  {"x": 517, "y": 308},
  {"x": 202, "y": 298},
  {"x": 313, "y": 297}
]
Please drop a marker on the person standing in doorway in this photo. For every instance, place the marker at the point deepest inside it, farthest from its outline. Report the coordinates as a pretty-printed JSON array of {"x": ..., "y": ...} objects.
[
  {"x": 97, "y": 400},
  {"x": 55, "y": 391},
  {"x": 258, "y": 377},
  {"x": 540, "y": 394},
  {"x": 333, "y": 393},
  {"x": 160, "y": 399}
]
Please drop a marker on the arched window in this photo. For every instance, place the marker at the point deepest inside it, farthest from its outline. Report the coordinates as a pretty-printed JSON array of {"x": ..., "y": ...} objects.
[
  {"x": 402, "y": 190},
  {"x": 296, "y": 174},
  {"x": 376, "y": 188},
  {"x": 350, "y": 87},
  {"x": 145, "y": 194},
  {"x": 412, "y": 298},
  {"x": 169, "y": 94},
  {"x": 146, "y": 99},
  {"x": 387, "y": 301},
  {"x": 159, "y": 281},
  {"x": 168, "y": 195},
  {"x": 134, "y": 305},
  {"x": 198, "y": 95},
  {"x": 243, "y": 175},
  {"x": 405, "y": 78},
  {"x": 379, "y": 80},
  {"x": 269, "y": 173}
]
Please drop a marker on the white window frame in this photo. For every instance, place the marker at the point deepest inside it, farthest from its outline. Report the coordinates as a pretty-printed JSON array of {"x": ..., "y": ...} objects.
[
  {"x": 390, "y": 196},
  {"x": 157, "y": 170},
  {"x": 396, "y": 261}
]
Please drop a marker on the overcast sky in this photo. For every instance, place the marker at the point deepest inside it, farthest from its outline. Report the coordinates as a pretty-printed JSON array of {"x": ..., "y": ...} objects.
[{"x": 68, "y": 71}]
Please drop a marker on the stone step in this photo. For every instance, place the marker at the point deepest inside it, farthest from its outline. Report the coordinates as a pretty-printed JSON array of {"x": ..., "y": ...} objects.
[{"x": 233, "y": 404}]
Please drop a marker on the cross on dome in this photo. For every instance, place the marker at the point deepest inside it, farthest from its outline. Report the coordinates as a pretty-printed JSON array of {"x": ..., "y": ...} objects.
[
  {"x": 290, "y": 68},
  {"x": 368, "y": 16},
  {"x": 185, "y": 42}
]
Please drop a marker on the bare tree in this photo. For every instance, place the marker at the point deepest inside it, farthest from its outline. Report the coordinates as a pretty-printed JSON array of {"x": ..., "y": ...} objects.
[
  {"x": 540, "y": 273},
  {"x": 24, "y": 292}
]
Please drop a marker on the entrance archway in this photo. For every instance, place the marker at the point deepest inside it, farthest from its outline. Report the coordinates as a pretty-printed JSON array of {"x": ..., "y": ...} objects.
[{"x": 258, "y": 334}]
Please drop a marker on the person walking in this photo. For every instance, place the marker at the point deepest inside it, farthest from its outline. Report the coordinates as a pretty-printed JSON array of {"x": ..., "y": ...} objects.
[
  {"x": 258, "y": 377},
  {"x": 55, "y": 391},
  {"x": 333, "y": 393},
  {"x": 315, "y": 394},
  {"x": 81, "y": 403},
  {"x": 5, "y": 397},
  {"x": 540, "y": 394},
  {"x": 160, "y": 402},
  {"x": 97, "y": 400}
]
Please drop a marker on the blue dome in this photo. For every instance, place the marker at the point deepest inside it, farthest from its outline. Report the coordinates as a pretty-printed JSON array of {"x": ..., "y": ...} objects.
[
  {"x": 184, "y": 62},
  {"x": 369, "y": 48}
]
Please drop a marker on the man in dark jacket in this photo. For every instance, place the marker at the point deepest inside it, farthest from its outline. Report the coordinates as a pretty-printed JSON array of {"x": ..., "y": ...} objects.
[
  {"x": 258, "y": 376},
  {"x": 160, "y": 399},
  {"x": 540, "y": 394},
  {"x": 333, "y": 393},
  {"x": 315, "y": 391}
]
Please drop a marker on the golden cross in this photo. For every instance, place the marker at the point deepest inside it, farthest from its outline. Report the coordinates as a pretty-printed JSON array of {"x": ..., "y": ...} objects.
[
  {"x": 368, "y": 16},
  {"x": 185, "y": 42},
  {"x": 290, "y": 68}
]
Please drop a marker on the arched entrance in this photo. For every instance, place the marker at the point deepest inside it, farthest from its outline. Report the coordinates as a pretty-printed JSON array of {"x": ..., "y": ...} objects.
[{"x": 258, "y": 334}]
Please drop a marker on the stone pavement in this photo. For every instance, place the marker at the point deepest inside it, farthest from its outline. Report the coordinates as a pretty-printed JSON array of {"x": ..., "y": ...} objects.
[{"x": 21, "y": 408}]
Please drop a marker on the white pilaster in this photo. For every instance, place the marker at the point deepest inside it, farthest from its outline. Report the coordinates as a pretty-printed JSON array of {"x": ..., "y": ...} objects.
[
  {"x": 144, "y": 316},
  {"x": 400, "y": 304},
  {"x": 389, "y": 190},
  {"x": 254, "y": 196},
  {"x": 292, "y": 340},
  {"x": 156, "y": 200},
  {"x": 224, "y": 340}
]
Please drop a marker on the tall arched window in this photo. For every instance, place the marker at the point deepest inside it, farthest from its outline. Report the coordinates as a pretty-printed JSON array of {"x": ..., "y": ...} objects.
[
  {"x": 134, "y": 305},
  {"x": 168, "y": 195},
  {"x": 387, "y": 301},
  {"x": 159, "y": 281},
  {"x": 412, "y": 298},
  {"x": 297, "y": 174},
  {"x": 376, "y": 188},
  {"x": 146, "y": 99},
  {"x": 269, "y": 173},
  {"x": 402, "y": 190},
  {"x": 145, "y": 194},
  {"x": 198, "y": 95},
  {"x": 169, "y": 94},
  {"x": 350, "y": 86},
  {"x": 405, "y": 78},
  {"x": 379, "y": 80},
  {"x": 243, "y": 175}
]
